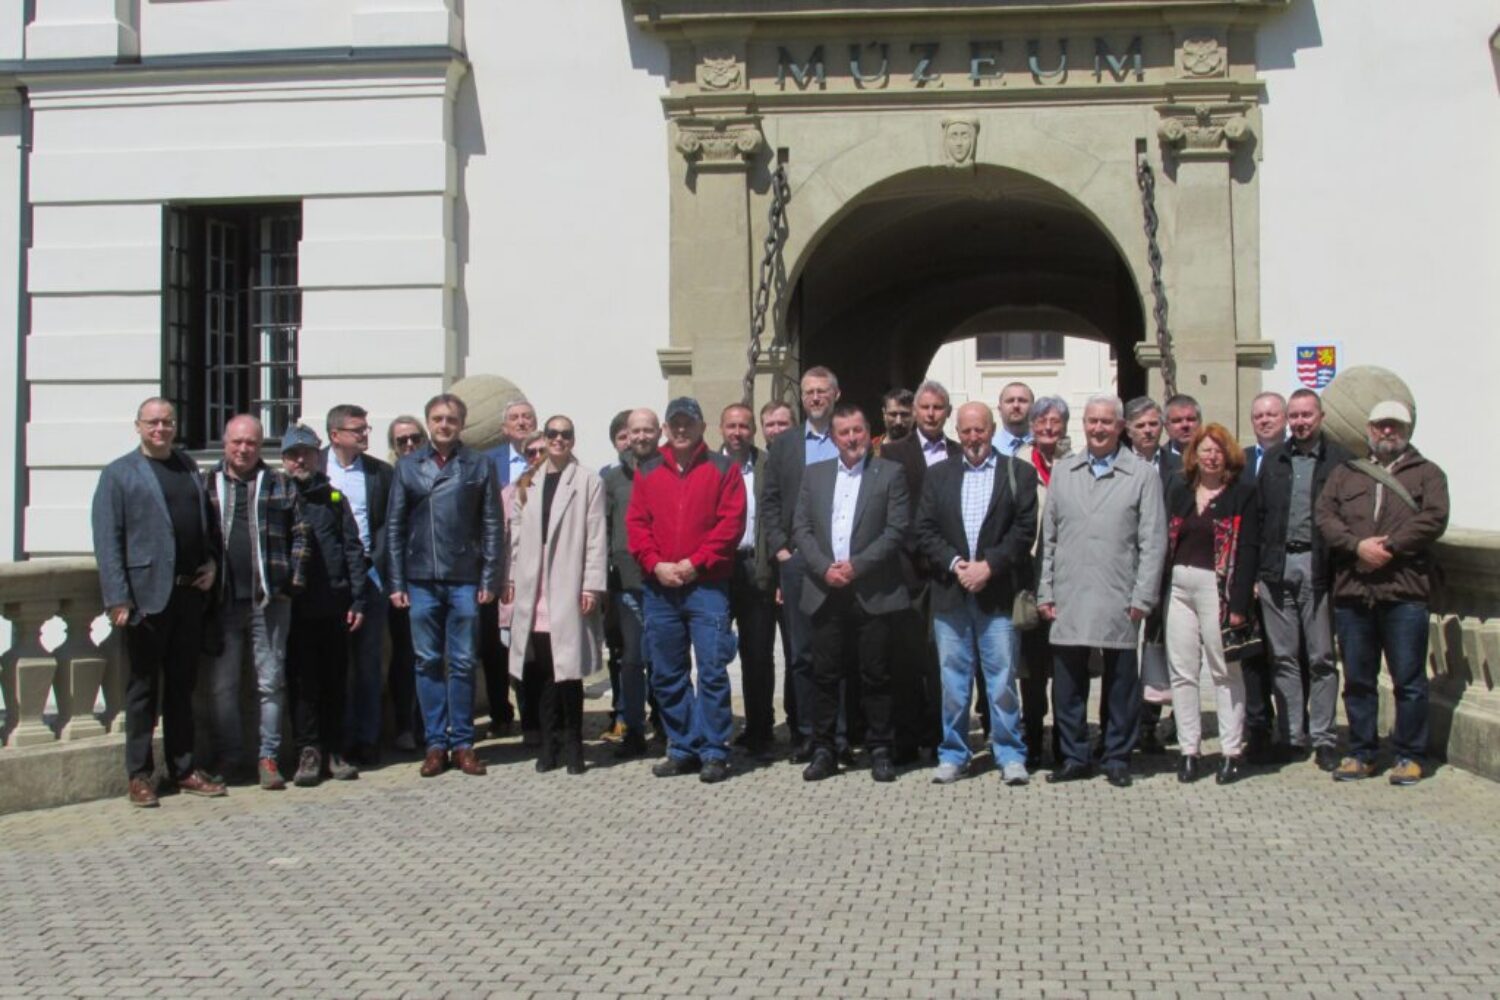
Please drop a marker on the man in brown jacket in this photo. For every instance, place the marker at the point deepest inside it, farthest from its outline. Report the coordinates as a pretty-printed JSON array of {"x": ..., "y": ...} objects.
[{"x": 1380, "y": 517}]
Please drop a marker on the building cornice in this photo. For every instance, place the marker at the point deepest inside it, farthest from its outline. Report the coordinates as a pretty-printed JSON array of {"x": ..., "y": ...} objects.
[{"x": 313, "y": 61}]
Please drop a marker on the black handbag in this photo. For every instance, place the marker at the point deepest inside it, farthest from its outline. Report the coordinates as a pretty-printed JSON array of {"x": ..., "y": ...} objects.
[{"x": 1242, "y": 641}]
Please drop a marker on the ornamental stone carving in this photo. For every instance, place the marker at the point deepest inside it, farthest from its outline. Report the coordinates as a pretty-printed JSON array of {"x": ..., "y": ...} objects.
[
  {"x": 719, "y": 143},
  {"x": 960, "y": 140},
  {"x": 1203, "y": 56},
  {"x": 720, "y": 69},
  {"x": 1203, "y": 131}
]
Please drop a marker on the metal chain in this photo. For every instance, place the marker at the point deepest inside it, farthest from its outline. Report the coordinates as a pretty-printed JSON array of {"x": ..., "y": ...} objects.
[
  {"x": 774, "y": 241},
  {"x": 1146, "y": 178}
]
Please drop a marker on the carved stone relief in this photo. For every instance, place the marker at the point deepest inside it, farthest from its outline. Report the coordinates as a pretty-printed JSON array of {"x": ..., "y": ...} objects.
[
  {"x": 718, "y": 142},
  {"x": 960, "y": 139},
  {"x": 1203, "y": 56},
  {"x": 1202, "y": 130},
  {"x": 719, "y": 68}
]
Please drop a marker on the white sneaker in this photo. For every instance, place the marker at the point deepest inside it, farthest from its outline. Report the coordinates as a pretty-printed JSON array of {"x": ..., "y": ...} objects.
[
  {"x": 947, "y": 774},
  {"x": 1015, "y": 773}
]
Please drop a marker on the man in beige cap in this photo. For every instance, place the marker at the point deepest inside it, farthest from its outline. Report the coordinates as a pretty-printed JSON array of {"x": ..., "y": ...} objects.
[{"x": 1380, "y": 517}]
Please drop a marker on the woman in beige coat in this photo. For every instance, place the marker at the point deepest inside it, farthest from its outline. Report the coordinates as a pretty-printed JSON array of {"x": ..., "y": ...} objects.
[{"x": 556, "y": 580}]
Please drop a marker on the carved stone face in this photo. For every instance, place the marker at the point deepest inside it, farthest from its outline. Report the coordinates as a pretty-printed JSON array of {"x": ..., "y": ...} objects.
[{"x": 958, "y": 140}]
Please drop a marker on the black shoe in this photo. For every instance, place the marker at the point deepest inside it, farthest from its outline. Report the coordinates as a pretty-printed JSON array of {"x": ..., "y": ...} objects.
[
  {"x": 882, "y": 766},
  {"x": 674, "y": 767},
  {"x": 1118, "y": 776},
  {"x": 1151, "y": 743},
  {"x": 822, "y": 766},
  {"x": 1328, "y": 759},
  {"x": 1229, "y": 771},
  {"x": 802, "y": 751},
  {"x": 633, "y": 745},
  {"x": 573, "y": 754},
  {"x": 1071, "y": 771},
  {"x": 713, "y": 771},
  {"x": 1258, "y": 747},
  {"x": 546, "y": 759},
  {"x": 1187, "y": 768}
]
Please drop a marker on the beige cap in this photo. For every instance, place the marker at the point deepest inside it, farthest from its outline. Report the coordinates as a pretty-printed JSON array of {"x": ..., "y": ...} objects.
[{"x": 1390, "y": 410}]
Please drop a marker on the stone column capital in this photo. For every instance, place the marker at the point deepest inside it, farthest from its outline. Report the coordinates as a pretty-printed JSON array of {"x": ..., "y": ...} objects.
[
  {"x": 722, "y": 143},
  {"x": 1202, "y": 131}
]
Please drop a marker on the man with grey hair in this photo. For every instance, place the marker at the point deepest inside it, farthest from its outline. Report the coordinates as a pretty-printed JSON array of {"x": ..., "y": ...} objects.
[
  {"x": 1104, "y": 539},
  {"x": 519, "y": 421},
  {"x": 509, "y": 461},
  {"x": 915, "y": 675}
]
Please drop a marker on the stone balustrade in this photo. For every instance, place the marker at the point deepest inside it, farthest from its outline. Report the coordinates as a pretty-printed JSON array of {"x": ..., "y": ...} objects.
[{"x": 1463, "y": 653}]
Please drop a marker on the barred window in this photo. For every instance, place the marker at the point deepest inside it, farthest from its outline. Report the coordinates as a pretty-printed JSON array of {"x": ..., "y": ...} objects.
[
  {"x": 231, "y": 312},
  {"x": 1020, "y": 347}
]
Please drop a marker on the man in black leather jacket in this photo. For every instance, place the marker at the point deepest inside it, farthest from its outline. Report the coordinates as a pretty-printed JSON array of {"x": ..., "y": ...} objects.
[{"x": 445, "y": 529}]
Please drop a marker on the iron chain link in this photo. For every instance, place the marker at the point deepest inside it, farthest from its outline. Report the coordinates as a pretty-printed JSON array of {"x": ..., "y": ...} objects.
[
  {"x": 1146, "y": 178},
  {"x": 771, "y": 253}
]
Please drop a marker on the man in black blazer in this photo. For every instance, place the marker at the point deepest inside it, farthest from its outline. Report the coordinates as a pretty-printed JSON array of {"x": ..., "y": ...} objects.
[
  {"x": 1268, "y": 418},
  {"x": 975, "y": 525},
  {"x": 850, "y": 525},
  {"x": 365, "y": 481},
  {"x": 919, "y": 727},
  {"x": 786, "y": 457}
]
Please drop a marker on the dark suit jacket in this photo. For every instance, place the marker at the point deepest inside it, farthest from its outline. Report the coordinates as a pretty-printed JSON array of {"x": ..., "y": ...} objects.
[
  {"x": 1005, "y": 536},
  {"x": 134, "y": 543},
  {"x": 777, "y": 499},
  {"x": 500, "y": 458},
  {"x": 908, "y": 452},
  {"x": 378, "y": 478},
  {"x": 882, "y": 516}
]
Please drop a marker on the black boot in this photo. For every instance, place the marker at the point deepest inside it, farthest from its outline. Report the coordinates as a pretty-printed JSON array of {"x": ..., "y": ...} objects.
[
  {"x": 572, "y": 751},
  {"x": 547, "y": 753}
]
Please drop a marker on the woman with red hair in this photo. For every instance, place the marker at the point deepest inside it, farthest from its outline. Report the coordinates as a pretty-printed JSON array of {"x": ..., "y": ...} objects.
[{"x": 1212, "y": 542}]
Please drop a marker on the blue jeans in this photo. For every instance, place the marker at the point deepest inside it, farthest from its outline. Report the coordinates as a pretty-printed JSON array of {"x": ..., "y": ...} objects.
[
  {"x": 445, "y": 622},
  {"x": 363, "y": 714},
  {"x": 695, "y": 619},
  {"x": 1399, "y": 630},
  {"x": 632, "y": 661},
  {"x": 265, "y": 629},
  {"x": 960, "y": 636}
]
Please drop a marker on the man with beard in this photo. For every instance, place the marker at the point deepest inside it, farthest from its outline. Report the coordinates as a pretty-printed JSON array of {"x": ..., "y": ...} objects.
[
  {"x": 896, "y": 412},
  {"x": 329, "y": 608}
]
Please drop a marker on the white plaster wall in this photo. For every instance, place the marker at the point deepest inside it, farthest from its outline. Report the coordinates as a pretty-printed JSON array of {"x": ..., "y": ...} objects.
[
  {"x": 1381, "y": 210},
  {"x": 1085, "y": 369},
  {"x": 10, "y": 239},
  {"x": 175, "y": 27},
  {"x": 563, "y": 215},
  {"x": 12, "y": 31}
]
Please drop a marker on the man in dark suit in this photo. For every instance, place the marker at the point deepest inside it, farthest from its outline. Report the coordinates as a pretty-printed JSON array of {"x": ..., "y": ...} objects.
[
  {"x": 1143, "y": 427},
  {"x": 752, "y": 590},
  {"x": 786, "y": 457},
  {"x": 850, "y": 525},
  {"x": 918, "y": 687},
  {"x": 975, "y": 525},
  {"x": 157, "y": 546},
  {"x": 365, "y": 481},
  {"x": 1268, "y": 418}
]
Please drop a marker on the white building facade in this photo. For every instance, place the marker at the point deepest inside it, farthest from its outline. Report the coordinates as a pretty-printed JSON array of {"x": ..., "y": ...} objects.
[{"x": 279, "y": 205}]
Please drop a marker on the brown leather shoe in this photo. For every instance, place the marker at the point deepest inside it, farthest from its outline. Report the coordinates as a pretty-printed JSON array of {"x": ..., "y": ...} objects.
[
  {"x": 467, "y": 761},
  {"x": 142, "y": 794},
  {"x": 435, "y": 763},
  {"x": 198, "y": 783}
]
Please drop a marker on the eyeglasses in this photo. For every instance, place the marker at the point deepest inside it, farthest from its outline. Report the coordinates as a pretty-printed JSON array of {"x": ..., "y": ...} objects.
[
  {"x": 553, "y": 433},
  {"x": 158, "y": 422},
  {"x": 535, "y": 452},
  {"x": 361, "y": 431},
  {"x": 406, "y": 440}
]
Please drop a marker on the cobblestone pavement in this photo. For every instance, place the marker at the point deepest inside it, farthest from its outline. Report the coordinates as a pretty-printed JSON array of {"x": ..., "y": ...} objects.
[{"x": 616, "y": 883}]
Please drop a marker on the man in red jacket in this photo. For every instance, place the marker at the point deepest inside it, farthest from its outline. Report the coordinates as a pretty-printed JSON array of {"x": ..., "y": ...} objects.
[{"x": 686, "y": 515}]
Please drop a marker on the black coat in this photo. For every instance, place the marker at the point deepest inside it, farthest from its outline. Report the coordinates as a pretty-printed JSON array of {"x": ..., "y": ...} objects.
[
  {"x": 337, "y": 568},
  {"x": 1005, "y": 536},
  {"x": 1237, "y": 500},
  {"x": 1274, "y": 501}
]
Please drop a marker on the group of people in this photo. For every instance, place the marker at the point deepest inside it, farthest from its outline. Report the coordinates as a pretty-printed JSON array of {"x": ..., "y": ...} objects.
[{"x": 903, "y": 571}]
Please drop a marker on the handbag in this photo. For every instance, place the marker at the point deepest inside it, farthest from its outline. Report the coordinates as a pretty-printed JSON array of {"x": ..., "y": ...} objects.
[{"x": 1242, "y": 641}]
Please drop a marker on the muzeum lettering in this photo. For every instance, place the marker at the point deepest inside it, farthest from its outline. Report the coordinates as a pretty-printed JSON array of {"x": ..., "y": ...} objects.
[{"x": 1045, "y": 62}]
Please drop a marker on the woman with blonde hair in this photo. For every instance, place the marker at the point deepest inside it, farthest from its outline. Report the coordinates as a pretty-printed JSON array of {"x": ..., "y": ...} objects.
[
  {"x": 1212, "y": 545},
  {"x": 557, "y": 575},
  {"x": 406, "y": 435}
]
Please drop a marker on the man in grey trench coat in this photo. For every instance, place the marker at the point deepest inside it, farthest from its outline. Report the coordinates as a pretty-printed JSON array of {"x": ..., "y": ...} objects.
[{"x": 1104, "y": 537}]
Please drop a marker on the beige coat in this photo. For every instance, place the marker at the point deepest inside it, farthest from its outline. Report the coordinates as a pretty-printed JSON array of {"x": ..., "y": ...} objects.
[{"x": 577, "y": 555}]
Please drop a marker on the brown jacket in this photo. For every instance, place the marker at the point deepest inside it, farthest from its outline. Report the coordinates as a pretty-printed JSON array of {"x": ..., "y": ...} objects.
[{"x": 1353, "y": 507}]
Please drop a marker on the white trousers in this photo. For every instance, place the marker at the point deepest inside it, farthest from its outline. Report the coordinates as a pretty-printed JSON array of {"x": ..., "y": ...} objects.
[{"x": 1194, "y": 640}]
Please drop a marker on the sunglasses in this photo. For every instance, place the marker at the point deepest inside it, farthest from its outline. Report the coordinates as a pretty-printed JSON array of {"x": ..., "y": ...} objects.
[
  {"x": 553, "y": 433},
  {"x": 535, "y": 452},
  {"x": 409, "y": 439}
]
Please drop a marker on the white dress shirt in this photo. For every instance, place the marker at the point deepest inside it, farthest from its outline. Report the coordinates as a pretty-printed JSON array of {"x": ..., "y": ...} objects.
[
  {"x": 845, "y": 495},
  {"x": 933, "y": 452},
  {"x": 350, "y": 481}
]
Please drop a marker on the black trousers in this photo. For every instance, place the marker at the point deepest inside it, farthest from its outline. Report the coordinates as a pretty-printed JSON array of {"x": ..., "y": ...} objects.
[
  {"x": 496, "y": 663},
  {"x": 754, "y": 613},
  {"x": 317, "y": 676},
  {"x": 163, "y": 650},
  {"x": 403, "y": 677},
  {"x": 1036, "y": 660},
  {"x": 559, "y": 704},
  {"x": 849, "y": 642},
  {"x": 1260, "y": 712},
  {"x": 1121, "y": 694}
]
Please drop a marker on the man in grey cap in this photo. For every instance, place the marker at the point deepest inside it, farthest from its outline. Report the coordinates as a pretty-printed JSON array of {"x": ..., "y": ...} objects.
[
  {"x": 329, "y": 608},
  {"x": 1380, "y": 516},
  {"x": 685, "y": 519}
]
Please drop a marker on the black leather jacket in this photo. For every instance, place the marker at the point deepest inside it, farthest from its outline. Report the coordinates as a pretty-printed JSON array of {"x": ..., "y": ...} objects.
[{"x": 444, "y": 524}]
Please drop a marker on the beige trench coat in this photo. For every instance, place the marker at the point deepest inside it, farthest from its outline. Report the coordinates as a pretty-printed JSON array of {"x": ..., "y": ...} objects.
[{"x": 577, "y": 555}]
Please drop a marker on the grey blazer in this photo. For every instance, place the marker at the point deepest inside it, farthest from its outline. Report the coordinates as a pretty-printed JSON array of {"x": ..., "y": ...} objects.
[
  {"x": 882, "y": 516},
  {"x": 133, "y": 539}
]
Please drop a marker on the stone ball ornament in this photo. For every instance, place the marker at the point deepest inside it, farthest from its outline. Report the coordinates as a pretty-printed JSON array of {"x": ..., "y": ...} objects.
[
  {"x": 486, "y": 396},
  {"x": 1351, "y": 395}
]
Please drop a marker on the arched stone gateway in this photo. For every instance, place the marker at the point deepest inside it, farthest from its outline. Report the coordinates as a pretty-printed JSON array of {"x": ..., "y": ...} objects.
[{"x": 960, "y": 162}]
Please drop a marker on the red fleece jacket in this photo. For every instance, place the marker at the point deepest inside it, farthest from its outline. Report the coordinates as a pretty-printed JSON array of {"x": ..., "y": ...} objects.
[{"x": 696, "y": 512}]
